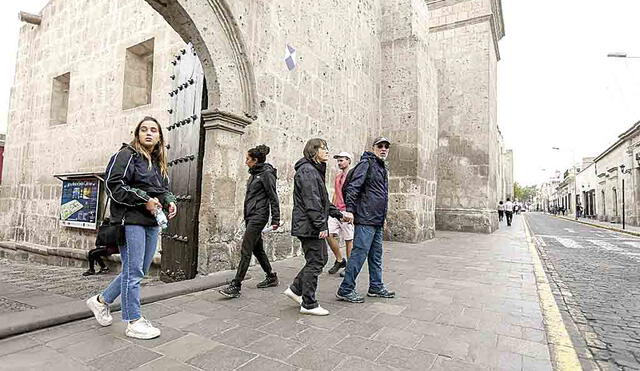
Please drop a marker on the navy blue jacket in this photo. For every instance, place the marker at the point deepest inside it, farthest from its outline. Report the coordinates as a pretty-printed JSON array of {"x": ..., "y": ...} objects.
[
  {"x": 130, "y": 183},
  {"x": 368, "y": 200},
  {"x": 311, "y": 204}
]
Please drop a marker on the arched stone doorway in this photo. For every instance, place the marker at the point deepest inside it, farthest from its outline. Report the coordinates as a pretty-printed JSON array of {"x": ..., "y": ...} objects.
[{"x": 211, "y": 28}]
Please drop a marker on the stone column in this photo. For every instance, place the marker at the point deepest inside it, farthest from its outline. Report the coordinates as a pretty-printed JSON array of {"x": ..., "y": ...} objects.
[
  {"x": 220, "y": 212},
  {"x": 409, "y": 120}
]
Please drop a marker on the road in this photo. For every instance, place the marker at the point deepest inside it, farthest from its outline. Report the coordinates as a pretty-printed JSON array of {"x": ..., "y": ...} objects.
[{"x": 597, "y": 273}]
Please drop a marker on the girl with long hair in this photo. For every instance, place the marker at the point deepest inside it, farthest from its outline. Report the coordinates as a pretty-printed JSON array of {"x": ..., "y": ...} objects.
[{"x": 137, "y": 184}]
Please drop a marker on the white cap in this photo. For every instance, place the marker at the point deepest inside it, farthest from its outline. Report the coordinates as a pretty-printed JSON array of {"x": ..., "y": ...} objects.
[{"x": 344, "y": 154}]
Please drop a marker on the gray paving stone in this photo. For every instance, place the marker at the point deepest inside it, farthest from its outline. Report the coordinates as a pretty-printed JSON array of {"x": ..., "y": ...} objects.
[
  {"x": 165, "y": 364},
  {"x": 534, "y": 364},
  {"x": 274, "y": 346},
  {"x": 202, "y": 307},
  {"x": 398, "y": 337},
  {"x": 209, "y": 328},
  {"x": 387, "y": 308},
  {"x": 359, "y": 364},
  {"x": 239, "y": 336},
  {"x": 222, "y": 358},
  {"x": 358, "y": 328},
  {"x": 186, "y": 347},
  {"x": 444, "y": 346},
  {"x": 510, "y": 361},
  {"x": 39, "y": 358},
  {"x": 389, "y": 320},
  {"x": 360, "y": 347},
  {"x": 266, "y": 364},
  {"x": 16, "y": 344},
  {"x": 154, "y": 311},
  {"x": 125, "y": 358},
  {"x": 286, "y": 328},
  {"x": 403, "y": 358},
  {"x": 524, "y": 347},
  {"x": 313, "y": 357},
  {"x": 91, "y": 348},
  {"x": 447, "y": 364},
  {"x": 181, "y": 319},
  {"x": 168, "y": 334},
  {"x": 320, "y": 337}
]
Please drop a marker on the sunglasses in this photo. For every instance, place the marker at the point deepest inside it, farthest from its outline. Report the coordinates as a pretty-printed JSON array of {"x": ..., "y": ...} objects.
[{"x": 383, "y": 145}]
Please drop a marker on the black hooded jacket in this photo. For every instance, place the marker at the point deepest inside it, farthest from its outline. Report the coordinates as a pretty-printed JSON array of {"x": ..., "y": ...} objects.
[
  {"x": 367, "y": 196},
  {"x": 262, "y": 195},
  {"x": 311, "y": 204},
  {"x": 130, "y": 184}
]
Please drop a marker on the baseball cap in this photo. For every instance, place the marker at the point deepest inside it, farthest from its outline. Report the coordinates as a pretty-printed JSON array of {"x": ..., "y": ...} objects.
[
  {"x": 344, "y": 154},
  {"x": 381, "y": 140}
]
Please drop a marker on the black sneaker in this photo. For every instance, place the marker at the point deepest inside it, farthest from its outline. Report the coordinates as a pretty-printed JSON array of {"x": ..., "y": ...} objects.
[
  {"x": 384, "y": 293},
  {"x": 342, "y": 274},
  {"x": 337, "y": 265},
  {"x": 270, "y": 281},
  {"x": 352, "y": 297},
  {"x": 231, "y": 291},
  {"x": 89, "y": 272},
  {"x": 104, "y": 270}
]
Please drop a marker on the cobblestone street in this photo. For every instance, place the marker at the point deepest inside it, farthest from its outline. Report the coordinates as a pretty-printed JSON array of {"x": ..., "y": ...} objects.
[
  {"x": 597, "y": 273},
  {"x": 28, "y": 285}
]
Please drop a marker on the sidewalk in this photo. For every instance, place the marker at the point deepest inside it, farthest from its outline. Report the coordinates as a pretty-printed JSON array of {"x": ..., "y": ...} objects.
[
  {"x": 617, "y": 227},
  {"x": 464, "y": 301}
]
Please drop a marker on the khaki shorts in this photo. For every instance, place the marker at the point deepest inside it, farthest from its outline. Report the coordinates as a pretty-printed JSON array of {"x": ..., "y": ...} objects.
[{"x": 344, "y": 230}]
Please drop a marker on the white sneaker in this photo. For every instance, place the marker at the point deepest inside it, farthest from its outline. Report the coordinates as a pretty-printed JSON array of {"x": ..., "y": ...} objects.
[
  {"x": 290, "y": 294},
  {"x": 142, "y": 329},
  {"x": 318, "y": 311},
  {"x": 100, "y": 311}
]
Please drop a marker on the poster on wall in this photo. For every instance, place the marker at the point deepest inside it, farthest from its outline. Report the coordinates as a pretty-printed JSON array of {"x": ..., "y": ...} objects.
[{"x": 79, "y": 203}]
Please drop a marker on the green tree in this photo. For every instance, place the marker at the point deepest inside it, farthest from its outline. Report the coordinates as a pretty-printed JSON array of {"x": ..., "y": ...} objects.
[{"x": 523, "y": 193}]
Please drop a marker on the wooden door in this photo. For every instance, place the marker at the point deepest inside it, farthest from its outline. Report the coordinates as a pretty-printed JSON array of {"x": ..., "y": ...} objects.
[{"x": 185, "y": 146}]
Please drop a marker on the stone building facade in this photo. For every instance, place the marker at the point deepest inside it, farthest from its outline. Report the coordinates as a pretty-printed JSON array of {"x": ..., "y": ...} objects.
[
  {"x": 464, "y": 40},
  {"x": 92, "y": 69},
  {"x": 2, "y": 140}
]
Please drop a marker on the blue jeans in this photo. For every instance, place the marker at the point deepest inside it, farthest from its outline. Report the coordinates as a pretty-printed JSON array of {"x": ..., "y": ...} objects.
[
  {"x": 367, "y": 244},
  {"x": 136, "y": 257}
]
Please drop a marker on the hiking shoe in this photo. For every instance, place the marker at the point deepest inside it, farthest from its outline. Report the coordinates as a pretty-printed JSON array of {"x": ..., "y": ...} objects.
[
  {"x": 104, "y": 270},
  {"x": 291, "y": 295},
  {"x": 352, "y": 297},
  {"x": 142, "y": 329},
  {"x": 231, "y": 291},
  {"x": 317, "y": 311},
  {"x": 337, "y": 265},
  {"x": 270, "y": 281},
  {"x": 89, "y": 272},
  {"x": 384, "y": 293},
  {"x": 100, "y": 311}
]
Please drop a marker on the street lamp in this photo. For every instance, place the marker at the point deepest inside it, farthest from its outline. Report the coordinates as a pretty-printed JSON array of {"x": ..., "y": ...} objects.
[
  {"x": 575, "y": 181},
  {"x": 623, "y": 208}
]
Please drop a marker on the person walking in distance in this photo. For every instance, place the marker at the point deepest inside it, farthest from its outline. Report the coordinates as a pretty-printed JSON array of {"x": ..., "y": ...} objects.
[
  {"x": 137, "y": 183},
  {"x": 366, "y": 196},
  {"x": 311, "y": 209},
  {"x": 500, "y": 211},
  {"x": 261, "y": 196},
  {"x": 337, "y": 228},
  {"x": 508, "y": 211}
]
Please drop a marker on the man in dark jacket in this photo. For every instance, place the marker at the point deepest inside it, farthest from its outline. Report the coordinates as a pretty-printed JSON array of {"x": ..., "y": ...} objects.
[
  {"x": 311, "y": 211},
  {"x": 366, "y": 196}
]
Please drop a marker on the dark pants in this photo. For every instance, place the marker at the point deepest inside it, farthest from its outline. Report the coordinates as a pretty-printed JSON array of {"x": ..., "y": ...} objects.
[
  {"x": 306, "y": 282},
  {"x": 95, "y": 255},
  {"x": 509, "y": 217},
  {"x": 500, "y": 215},
  {"x": 252, "y": 244}
]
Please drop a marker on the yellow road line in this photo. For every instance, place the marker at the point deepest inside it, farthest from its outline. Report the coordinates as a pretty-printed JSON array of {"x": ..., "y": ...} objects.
[{"x": 563, "y": 354}]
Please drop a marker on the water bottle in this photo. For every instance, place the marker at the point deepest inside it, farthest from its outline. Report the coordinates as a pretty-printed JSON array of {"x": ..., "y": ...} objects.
[{"x": 161, "y": 219}]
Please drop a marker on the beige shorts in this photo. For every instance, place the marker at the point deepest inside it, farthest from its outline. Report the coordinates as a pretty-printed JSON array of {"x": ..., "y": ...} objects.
[{"x": 344, "y": 230}]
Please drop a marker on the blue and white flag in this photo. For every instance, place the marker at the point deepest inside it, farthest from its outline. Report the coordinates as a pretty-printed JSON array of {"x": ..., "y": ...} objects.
[{"x": 290, "y": 57}]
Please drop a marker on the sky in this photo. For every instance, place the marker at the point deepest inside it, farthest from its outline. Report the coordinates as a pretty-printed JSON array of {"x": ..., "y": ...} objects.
[{"x": 556, "y": 86}]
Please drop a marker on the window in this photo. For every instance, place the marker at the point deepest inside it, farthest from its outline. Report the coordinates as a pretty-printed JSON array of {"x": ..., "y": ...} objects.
[
  {"x": 60, "y": 99},
  {"x": 138, "y": 75}
]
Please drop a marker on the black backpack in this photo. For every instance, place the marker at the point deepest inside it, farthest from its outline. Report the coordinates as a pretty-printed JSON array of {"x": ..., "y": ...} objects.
[{"x": 350, "y": 175}]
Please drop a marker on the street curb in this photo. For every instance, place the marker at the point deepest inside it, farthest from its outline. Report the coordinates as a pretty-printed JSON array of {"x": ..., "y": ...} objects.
[
  {"x": 563, "y": 353},
  {"x": 20, "y": 322},
  {"x": 637, "y": 234}
]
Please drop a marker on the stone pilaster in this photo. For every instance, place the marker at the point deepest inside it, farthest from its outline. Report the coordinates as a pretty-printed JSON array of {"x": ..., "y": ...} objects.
[{"x": 220, "y": 214}]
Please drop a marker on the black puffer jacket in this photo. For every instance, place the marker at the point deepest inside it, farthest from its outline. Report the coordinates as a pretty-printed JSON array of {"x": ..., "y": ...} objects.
[
  {"x": 130, "y": 183},
  {"x": 262, "y": 195},
  {"x": 311, "y": 205},
  {"x": 368, "y": 200}
]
